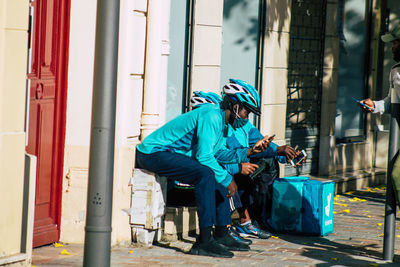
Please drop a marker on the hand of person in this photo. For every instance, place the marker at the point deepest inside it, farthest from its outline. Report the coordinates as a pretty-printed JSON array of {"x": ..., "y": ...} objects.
[
  {"x": 300, "y": 163},
  {"x": 369, "y": 103},
  {"x": 287, "y": 151},
  {"x": 232, "y": 188},
  {"x": 248, "y": 168},
  {"x": 261, "y": 145}
]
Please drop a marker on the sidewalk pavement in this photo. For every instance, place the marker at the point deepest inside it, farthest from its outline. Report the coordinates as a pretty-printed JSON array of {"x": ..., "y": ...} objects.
[{"x": 357, "y": 241}]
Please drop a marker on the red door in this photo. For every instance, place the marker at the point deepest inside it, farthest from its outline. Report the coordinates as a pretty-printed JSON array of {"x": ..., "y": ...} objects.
[{"x": 47, "y": 100}]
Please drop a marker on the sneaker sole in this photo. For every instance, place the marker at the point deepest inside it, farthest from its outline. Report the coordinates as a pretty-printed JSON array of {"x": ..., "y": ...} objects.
[
  {"x": 253, "y": 236},
  {"x": 246, "y": 235},
  {"x": 241, "y": 240},
  {"x": 236, "y": 248},
  {"x": 201, "y": 252}
]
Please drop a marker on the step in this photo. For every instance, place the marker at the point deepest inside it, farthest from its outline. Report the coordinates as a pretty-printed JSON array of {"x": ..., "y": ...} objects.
[
  {"x": 179, "y": 223},
  {"x": 355, "y": 180}
]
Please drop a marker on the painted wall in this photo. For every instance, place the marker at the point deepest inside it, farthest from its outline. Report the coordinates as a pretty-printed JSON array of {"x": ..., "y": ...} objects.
[
  {"x": 13, "y": 55},
  {"x": 275, "y": 69},
  {"x": 78, "y": 118},
  {"x": 129, "y": 103},
  {"x": 207, "y": 38},
  {"x": 328, "y": 98},
  {"x": 339, "y": 158}
]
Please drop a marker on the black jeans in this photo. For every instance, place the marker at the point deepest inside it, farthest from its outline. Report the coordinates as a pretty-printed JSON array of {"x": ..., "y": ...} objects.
[{"x": 256, "y": 194}]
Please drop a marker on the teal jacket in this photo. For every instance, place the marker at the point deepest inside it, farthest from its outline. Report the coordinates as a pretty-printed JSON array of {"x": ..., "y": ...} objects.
[{"x": 199, "y": 134}]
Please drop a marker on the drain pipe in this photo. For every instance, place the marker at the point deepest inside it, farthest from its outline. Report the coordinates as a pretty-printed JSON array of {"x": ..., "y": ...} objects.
[
  {"x": 165, "y": 49},
  {"x": 101, "y": 160},
  {"x": 157, "y": 48}
]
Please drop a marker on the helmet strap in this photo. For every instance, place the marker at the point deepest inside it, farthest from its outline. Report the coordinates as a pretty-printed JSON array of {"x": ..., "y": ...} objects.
[{"x": 236, "y": 112}]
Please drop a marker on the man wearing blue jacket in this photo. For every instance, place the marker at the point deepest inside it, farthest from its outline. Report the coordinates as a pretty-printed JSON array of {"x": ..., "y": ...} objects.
[
  {"x": 199, "y": 133},
  {"x": 240, "y": 138},
  {"x": 246, "y": 137}
]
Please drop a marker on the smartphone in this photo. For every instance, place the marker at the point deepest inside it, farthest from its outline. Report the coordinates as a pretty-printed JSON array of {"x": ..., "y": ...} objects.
[
  {"x": 362, "y": 104},
  {"x": 299, "y": 158},
  {"x": 271, "y": 137}
]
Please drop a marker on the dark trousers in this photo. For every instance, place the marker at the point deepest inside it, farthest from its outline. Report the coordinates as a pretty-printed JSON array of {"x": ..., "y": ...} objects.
[
  {"x": 212, "y": 204},
  {"x": 256, "y": 194}
]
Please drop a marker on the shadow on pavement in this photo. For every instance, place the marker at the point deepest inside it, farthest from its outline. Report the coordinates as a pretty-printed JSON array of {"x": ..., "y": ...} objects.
[
  {"x": 335, "y": 253},
  {"x": 187, "y": 244}
]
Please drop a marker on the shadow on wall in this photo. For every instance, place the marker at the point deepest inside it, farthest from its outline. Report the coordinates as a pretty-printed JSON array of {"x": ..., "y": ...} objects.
[
  {"x": 277, "y": 15},
  {"x": 352, "y": 28}
]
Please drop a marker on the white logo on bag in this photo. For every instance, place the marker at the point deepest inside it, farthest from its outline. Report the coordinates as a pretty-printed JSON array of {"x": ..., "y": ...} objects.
[{"x": 327, "y": 207}]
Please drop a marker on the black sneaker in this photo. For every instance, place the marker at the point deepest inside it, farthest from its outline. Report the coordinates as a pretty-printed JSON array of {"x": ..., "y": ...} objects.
[
  {"x": 233, "y": 233},
  {"x": 231, "y": 244},
  {"x": 211, "y": 248}
]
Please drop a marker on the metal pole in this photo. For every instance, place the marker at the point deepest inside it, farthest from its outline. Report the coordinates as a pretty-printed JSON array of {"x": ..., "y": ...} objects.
[
  {"x": 390, "y": 207},
  {"x": 101, "y": 162}
]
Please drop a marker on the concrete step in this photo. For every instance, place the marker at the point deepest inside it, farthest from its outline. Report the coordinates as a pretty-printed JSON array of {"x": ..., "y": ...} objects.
[
  {"x": 179, "y": 223},
  {"x": 356, "y": 180}
]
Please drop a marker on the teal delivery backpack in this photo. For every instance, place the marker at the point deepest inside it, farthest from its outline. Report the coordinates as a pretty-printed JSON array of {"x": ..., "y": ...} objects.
[
  {"x": 302, "y": 206},
  {"x": 318, "y": 207}
]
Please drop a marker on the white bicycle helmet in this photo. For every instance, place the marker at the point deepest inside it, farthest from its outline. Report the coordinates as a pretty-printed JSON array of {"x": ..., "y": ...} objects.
[
  {"x": 244, "y": 93},
  {"x": 199, "y": 98}
]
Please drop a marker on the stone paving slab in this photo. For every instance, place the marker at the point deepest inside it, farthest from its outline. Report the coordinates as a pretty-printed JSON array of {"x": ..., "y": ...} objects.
[{"x": 357, "y": 241}]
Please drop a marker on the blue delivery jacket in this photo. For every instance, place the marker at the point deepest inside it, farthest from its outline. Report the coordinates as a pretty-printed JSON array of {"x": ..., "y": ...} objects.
[
  {"x": 246, "y": 137},
  {"x": 199, "y": 134}
]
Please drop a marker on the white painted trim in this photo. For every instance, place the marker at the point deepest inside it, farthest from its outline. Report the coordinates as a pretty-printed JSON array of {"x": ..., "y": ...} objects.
[{"x": 14, "y": 259}]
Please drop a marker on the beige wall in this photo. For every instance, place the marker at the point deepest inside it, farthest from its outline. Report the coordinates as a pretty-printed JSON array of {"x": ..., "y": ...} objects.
[
  {"x": 275, "y": 69},
  {"x": 206, "y": 58},
  {"x": 207, "y": 43},
  {"x": 77, "y": 137},
  {"x": 328, "y": 99},
  {"x": 129, "y": 107},
  {"x": 338, "y": 158},
  {"x": 13, "y": 55}
]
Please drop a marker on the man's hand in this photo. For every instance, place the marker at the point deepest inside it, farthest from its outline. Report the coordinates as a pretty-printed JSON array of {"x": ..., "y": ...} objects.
[
  {"x": 232, "y": 188},
  {"x": 300, "y": 163},
  {"x": 260, "y": 146},
  {"x": 287, "y": 151},
  {"x": 369, "y": 103},
  {"x": 248, "y": 168}
]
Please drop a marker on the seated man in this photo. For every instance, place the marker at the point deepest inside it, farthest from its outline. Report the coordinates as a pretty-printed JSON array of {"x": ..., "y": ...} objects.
[
  {"x": 200, "y": 134},
  {"x": 254, "y": 193},
  {"x": 242, "y": 137}
]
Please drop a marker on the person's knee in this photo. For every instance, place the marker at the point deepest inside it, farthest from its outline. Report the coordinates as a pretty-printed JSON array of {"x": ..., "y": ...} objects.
[
  {"x": 205, "y": 171},
  {"x": 205, "y": 175}
]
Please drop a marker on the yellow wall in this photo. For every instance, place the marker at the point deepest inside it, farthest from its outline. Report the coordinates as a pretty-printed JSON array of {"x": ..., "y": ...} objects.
[{"x": 13, "y": 61}]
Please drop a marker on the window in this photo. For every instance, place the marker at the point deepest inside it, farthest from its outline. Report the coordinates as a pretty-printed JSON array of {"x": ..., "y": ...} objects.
[
  {"x": 178, "y": 60},
  {"x": 241, "y": 41},
  {"x": 353, "y": 66}
]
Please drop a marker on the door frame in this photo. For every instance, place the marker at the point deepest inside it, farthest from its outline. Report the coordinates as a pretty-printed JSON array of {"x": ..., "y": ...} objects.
[
  {"x": 61, "y": 102},
  {"x": 61, "y": 83}
]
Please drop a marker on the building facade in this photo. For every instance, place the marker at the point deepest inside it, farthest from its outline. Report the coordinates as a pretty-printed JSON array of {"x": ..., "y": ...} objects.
[{"x": 307, "y": 59}]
